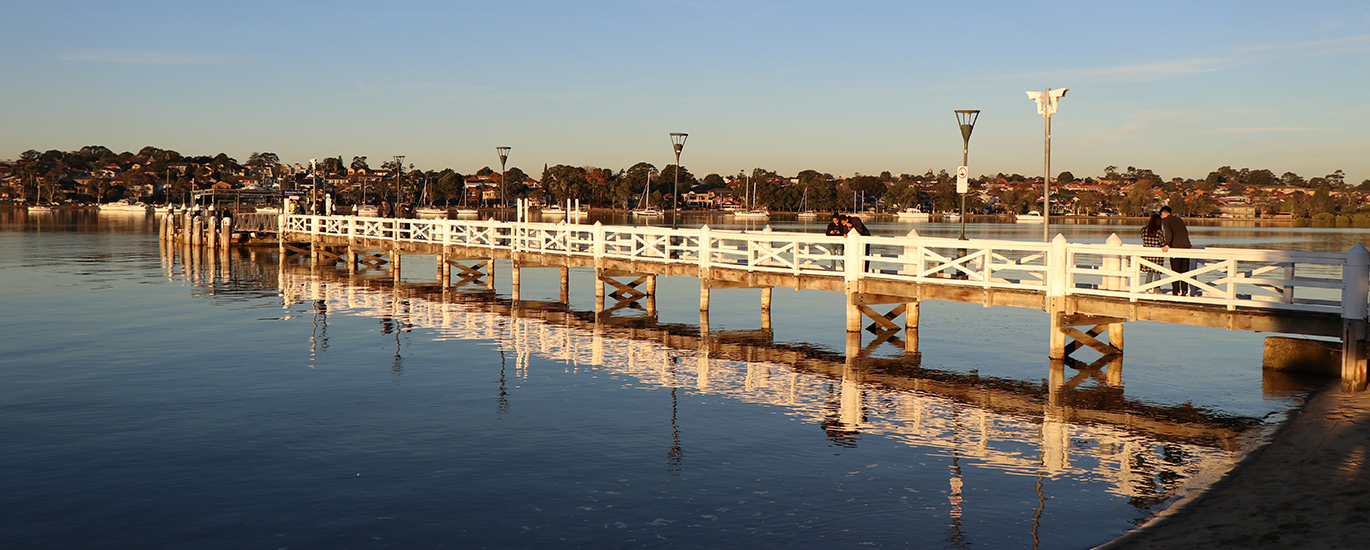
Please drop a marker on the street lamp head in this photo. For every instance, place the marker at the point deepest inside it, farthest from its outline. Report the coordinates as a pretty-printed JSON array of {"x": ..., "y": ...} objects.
[
  {"x": 966, "y": 118},
  {"x": 1048, "y": 100},
  {"x": 678, "y": 141},
  {"x": 503, "y": 153}
]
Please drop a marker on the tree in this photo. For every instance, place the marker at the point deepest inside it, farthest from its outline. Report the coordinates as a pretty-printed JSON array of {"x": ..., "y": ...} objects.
[
  {"x": 871, "y": 186},
  {"x": 635, "y": 179},
  {"x": 945, "y": 198},
  {"x": 1336, "y": 179},
  {"x": 687, "y": 180},
  {"x": 449, "y": 186},
  {"x": 1065, "y": 177},
  {"x": 359, "y": 163},
  {"x": 263, "y": 159}
]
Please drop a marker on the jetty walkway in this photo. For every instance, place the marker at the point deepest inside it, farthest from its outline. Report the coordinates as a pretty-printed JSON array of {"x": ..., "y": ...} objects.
[{"x": 1089, "y": 290}]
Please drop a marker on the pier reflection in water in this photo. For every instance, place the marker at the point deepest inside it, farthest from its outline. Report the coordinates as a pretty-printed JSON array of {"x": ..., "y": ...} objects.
[
  {"x": 357, "y": 412},
  {"x": 1077, "y": 440}
]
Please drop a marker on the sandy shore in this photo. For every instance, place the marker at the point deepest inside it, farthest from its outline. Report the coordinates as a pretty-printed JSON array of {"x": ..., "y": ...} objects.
[{"x": 1308, "y": 488}]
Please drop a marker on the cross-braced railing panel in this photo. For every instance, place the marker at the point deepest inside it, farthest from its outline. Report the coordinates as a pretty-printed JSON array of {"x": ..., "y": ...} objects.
[
  {"x": 638, "y": 243},
  {"x": 1230, "y": 277},
  {"x": 417, "y": 230},
  {"x": 546, "y": 238},
  {"x": 480, "y": 235},
  {"x": 1000, "y": 264},
  {"x": 776, "y": 252}
]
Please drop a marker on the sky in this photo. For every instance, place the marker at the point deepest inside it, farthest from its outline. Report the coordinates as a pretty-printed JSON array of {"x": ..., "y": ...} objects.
[{"x": 1180, "y": 88}]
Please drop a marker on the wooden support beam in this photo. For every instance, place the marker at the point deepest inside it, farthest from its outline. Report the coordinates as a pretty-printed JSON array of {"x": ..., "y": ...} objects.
[
  {"x": 1089, "y": 338},
  {"x": 884, "y": 321}
]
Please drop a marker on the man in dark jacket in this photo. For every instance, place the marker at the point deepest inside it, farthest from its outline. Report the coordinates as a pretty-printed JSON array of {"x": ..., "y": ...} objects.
[
  {"x": 853, "y": 222},
  {"x": 1174, "y": 234}
]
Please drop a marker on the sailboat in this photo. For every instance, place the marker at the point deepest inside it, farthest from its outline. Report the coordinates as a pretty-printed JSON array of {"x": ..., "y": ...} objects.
[
  {"x": 752, "y": 212},
  {"x": 645, "y": 210},
  {"x": 804, "y": 212},
  {"x": 428, "y": 211},
  {"x": 39, "y": 206},
  {"x": 464, "y": 211}
]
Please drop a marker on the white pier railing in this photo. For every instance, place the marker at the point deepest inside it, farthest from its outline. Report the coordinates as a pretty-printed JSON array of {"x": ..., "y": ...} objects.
[{"x": 1333, "y": 283}]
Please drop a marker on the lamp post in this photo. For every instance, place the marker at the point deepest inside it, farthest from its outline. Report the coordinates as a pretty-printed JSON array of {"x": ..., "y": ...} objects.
[
  {"x": 1046, "y": 106},
  {"x": 503, "y": 156},
  {"x": 966, "y": 119},
  {"x": 678, "y": 142},
  {"x": 399, "y": 183}
]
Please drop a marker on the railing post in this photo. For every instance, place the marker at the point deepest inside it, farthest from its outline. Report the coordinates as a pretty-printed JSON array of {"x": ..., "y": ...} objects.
[
  {"x": 908, "y": 259},
  {"x": 852, "y": 272},
  {"x": 1356, "y": 283},
  {"x": 598, "y": 246},
  {"x": 1058, "y": 274},
  {"x": 852, "y": 258},
  {"x": 1354, "y": 294},
  {"x": 1112, "y": 262},
  {"x": 704, "y": 250}
]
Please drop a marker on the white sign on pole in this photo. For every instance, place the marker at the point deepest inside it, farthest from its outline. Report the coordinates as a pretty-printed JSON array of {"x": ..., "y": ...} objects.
[{"x": 962, "y": 180}]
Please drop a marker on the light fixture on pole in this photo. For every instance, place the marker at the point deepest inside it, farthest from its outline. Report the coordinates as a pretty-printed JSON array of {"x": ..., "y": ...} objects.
[
  {"x": 678, "y": 142},
  {"x": 1046, "y": 106},
  {"x": 966, "y": 119},
  {"x": 503, "y": 156}
]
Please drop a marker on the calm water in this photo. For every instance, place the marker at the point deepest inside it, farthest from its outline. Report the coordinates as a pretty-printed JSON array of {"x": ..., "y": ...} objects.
[{"x": 158, "y": 399}]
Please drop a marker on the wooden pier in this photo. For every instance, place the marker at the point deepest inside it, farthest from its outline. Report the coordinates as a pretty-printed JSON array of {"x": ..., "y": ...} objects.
[{"x": 1089, "y": 290}]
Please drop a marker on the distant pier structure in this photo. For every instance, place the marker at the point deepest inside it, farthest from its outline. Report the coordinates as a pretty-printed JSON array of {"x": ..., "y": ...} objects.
[{"x": 1089, "y": 290}]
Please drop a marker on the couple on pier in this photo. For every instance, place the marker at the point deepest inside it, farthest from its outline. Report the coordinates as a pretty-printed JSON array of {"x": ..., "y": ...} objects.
[{"x": 1165, "y": 230}]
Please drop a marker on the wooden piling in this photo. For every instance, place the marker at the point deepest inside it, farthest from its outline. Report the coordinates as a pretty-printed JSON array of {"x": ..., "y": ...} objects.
[
  {"x": 226, "y": 232},
  {"x": 565, "y": 285}
]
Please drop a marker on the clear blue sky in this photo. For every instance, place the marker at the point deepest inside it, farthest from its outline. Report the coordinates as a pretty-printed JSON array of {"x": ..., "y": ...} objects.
[{"x": 840, "y": 87}]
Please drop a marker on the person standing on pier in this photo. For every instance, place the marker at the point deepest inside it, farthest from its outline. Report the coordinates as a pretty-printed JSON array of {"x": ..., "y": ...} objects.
[
  {"x": 836, "y": 229},
  {"x": 1151, "y": 236},
  {"x": 1174, "y": 234}
]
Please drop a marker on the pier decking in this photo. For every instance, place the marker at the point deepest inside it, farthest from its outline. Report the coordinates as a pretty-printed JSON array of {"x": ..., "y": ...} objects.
[{"x": 1090, "y": 290}]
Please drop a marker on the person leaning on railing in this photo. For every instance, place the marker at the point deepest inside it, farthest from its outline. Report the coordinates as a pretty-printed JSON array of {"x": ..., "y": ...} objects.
[
  {"x": 1174, "y": 234},
  {"x": 1151, "y": 237}
]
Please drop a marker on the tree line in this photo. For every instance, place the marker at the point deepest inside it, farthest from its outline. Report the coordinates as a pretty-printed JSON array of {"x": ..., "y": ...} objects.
[{"x": 1130, "y": 191}]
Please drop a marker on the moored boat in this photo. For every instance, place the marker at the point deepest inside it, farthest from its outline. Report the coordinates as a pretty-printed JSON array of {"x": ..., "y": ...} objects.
[
  {"x": 914, "y": 215},
  {"x": 752, "y": 214},
  {"x": 431, "y": 212},
  {"x": 125, "y": 207}
]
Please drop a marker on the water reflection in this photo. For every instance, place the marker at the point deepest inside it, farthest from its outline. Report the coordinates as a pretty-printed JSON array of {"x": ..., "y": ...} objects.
[
  {"x": 1081, "y": 428},
  {"x": 895, "y": 448}
]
